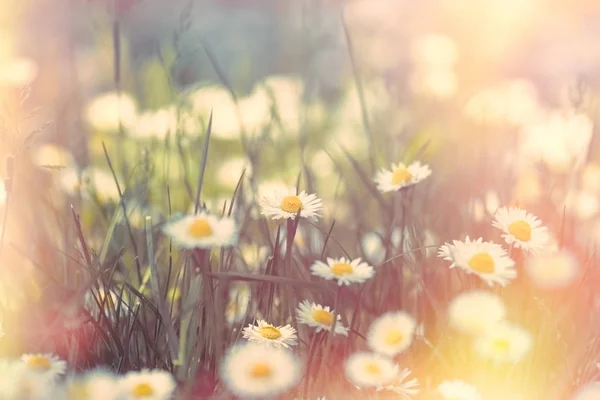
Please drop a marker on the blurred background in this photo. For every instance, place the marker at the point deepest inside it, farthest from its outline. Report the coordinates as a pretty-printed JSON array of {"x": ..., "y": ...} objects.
[{"x": 499, "y": 97}]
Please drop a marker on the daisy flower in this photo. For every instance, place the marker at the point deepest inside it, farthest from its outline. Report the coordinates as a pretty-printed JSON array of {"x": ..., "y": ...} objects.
[
  {"x": 343, "y": 270},
  {"x": 94, "y": 385},
  {"x": 401, "y": 176},
  {"x": 47, "y": 365},
  {"x": 391, "y": 333},
  {"x": 552, "y": 270},
  {"x": 366, "y": 369},
  {"x": 458, "y": 390},
  {"x": 268, "y": 334},
  {"x": 590, "y": 391},
  {"x": 475, "y": 311},
  {"x": 319, "y": 317},
  {"x": 286, "y": 203},
  {"x": 487, "y": 260},
  {"x": 403, "y": 389},
  {"x": 202, "y": 231},
  {"x": 17, "y": 381},
  {"x": 147, "y": 385},
  {"x": 504, "y": 342},
  {"x": 521, "y": 229},
  {"x": 254, "y": 371}
]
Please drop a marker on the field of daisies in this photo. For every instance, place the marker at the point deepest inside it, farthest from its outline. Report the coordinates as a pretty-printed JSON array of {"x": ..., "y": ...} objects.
[{"x": 366, "y": 200}]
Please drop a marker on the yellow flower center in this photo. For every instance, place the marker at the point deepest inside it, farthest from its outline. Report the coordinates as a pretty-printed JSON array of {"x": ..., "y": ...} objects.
[
  {"x": 482, "y": 262},
  {"x": 142, "y": 390},
  {"x": 521, "y": 230},
  {"x": 291, "y": 204},
  {"x": 200, "y": 228},
  {"x": 261, "y": 370},
  {"x": 400, "y": 176},
  {"x": 372, "y": 369},
  {"x": 323, "y": 317},
  {"x": 501, "y": 346},
  {"x": 39, "y": 362},
  {"x": 341, "y": 269},
  {"x": 269, "y": 332},
  {"x": 393, "y": 337}
]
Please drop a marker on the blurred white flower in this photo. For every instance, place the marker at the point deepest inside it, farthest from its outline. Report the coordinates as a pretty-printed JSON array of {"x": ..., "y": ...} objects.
[
  {"x": 458, "y": 390},
  {"x": 321, "y": 165},
  {"x": 391, "y": 333},
  {"x": 560, "y": 140},
  {"x": 552, "y": 269},
  {"x": 434, "y": 50},
  {"x": 254, "y": 371},
  {"x": 226, "y": 122},
  {"x": 104, "y": 112},
  {"x": 17, "y": 71},
  {"x": 366, "y": 369},
  {"x": 230, "y": 171},
  {"x": 438, "y": 83},
  {"x": 514, "y": 101},
  {"x": 582, "y": 203},
  {"x": 372, "y": 247},
  {"x": 590, "y": 178},
  {"x": 505, "y": 342},
  {"x": 475, "y": 311},
  {"x": 147, "y": 385},
  {"x": 202, "y": 230},
  {"x": 93, "y": 385},
  {"x": 50, "y": 155},
  {"x": 287, "y": 93}
]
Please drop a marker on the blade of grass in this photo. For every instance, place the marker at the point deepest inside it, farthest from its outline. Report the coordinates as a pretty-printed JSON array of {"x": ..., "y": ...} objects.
[
  {"x": 203, "y": 165},
  {"x": 172, "y": 341}
]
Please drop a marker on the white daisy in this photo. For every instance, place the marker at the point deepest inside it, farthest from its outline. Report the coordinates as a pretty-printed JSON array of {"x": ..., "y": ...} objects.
[
  {"x": 18, "y": 382},
  {"x": 458, "y": 390},
  {"x": 391, "y": 333},
  {"x": 475, "y": 311},
  {"x": 401, "y": 176},
  {"x": 504, "y": 342},
  {"x": 319, "y": 317},
  {"x": 487, "y": 260},
  {"x": 252, "y": 371},
  {"x": 590, "y": 391},
  {"x": 47, "y": 365},
  {"x": 552, "y": 270},
  {"x": 147, "y": 385},
  {"x": 202, "y": 231},
  {"x": 366, "y": 369},
  {"x": 403, "y": 389},
  {"x": 343, "y": 270},
  {"x": 285, "y": 203},
  {"x": 265, "y": 333},
  {"x": 94, "y": 385},
  {"x": 521, "y": 229}
]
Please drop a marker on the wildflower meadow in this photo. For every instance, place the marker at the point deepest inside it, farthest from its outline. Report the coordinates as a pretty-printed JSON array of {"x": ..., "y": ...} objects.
[{"x": 305, "y": 200}]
